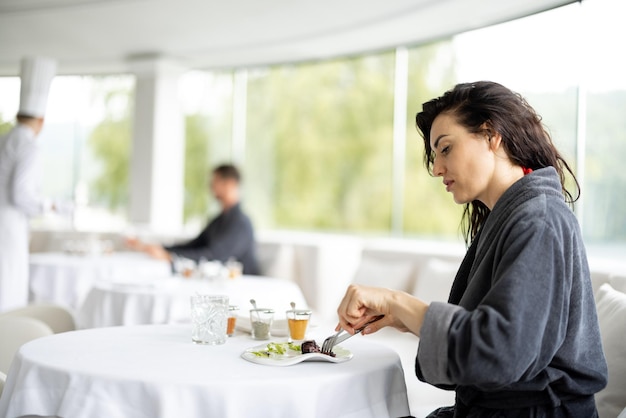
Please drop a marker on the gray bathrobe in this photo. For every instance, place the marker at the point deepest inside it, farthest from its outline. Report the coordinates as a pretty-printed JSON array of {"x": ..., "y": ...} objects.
[{"x": 520, "y": 332}]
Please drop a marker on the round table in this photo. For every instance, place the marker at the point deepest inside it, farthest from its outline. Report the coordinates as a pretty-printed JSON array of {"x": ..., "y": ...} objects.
[
  {"x": 65, "y": 279},
  {"x": 165, "y": 300},
  {"x": 155, "y": 371}
]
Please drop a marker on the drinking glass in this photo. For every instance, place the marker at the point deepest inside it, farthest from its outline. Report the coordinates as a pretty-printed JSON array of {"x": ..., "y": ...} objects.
[
  {"x": 298, "y": 320},
  {"x": 235, "y": 268},
  {"x": 209, "y": 315}
]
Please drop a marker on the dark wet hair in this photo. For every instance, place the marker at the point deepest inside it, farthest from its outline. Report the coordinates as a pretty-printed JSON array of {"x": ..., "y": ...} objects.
[
  {"x": 486, "y": 107},
  {"x": 227, "y": 171}
]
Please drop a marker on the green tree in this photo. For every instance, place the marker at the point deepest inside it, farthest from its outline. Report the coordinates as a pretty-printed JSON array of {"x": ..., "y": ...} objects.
[
  {"x": 329, "y": 128},
  {"x": 110, "y": 144}
]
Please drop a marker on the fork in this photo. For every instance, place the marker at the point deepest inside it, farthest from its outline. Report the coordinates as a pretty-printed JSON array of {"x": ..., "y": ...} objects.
[{"x": 338, "y": 337}]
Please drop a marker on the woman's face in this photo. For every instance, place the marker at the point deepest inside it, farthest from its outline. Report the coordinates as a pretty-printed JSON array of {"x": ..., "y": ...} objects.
[{"x": 464, "y": 160}]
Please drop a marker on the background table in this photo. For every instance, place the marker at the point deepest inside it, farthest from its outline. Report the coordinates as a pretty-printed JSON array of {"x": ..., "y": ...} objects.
[
  {"x": 155, "y": 371},
  {"x": 66, "y": 279},
  {"x": 166, "y": 300}
]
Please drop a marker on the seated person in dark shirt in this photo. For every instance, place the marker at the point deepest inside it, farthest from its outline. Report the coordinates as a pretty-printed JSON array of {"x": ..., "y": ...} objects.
[{"x": 229, "y": 235}]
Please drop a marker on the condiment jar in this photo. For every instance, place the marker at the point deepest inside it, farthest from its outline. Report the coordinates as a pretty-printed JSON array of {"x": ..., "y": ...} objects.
[
  {"x": 232, "y": 320},
  {"x": 261, "y": 322}
]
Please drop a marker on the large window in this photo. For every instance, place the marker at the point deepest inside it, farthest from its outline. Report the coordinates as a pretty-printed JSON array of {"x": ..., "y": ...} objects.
[{"x": 311, "y": 166}]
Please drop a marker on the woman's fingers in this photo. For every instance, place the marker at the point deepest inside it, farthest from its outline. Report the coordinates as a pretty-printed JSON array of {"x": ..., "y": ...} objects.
[
  {"x": 351, "y": 309},
  {"x": 359, "y": 305},
  {"x": 378, "y": 325},
  {"x": 363, "y": 324}
]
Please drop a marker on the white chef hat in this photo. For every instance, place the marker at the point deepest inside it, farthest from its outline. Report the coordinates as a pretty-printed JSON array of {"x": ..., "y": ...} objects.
[{"x": 36, "y": 74}]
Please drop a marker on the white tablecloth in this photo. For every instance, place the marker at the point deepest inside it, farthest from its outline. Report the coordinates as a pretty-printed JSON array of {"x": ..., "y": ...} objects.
[
  {"x": 166, "y": 300},
  {"x": 65, "y": 279},
  {"x": 154, "y": 371}
]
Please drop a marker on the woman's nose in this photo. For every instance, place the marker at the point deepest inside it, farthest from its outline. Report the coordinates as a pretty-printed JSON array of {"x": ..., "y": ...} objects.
[{"x": 438, "y": 168}]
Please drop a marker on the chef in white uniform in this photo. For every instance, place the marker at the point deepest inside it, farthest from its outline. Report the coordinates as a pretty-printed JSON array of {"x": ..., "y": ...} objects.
[{"x": 19, "y": 199}]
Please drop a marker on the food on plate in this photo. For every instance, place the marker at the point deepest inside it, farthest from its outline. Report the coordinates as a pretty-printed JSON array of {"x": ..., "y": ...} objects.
[
  {"x": 277, "y": 349},
  {"x": 290, "y": 349},
  {"x": 312, "y": 347}
]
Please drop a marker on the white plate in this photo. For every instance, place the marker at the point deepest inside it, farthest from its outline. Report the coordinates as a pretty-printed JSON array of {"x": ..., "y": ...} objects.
[{"x": 294, "y": 357}]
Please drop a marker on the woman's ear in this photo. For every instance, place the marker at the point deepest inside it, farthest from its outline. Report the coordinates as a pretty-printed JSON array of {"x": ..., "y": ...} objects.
[
  {"x": 495, "y": 141},
  {"x": 494, "y": 137}
]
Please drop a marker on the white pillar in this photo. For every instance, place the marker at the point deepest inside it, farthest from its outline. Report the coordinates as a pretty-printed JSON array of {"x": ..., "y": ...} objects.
[
  {"x": 240, "y": 108},
  {"x": 158, "y": 149},
  {"x": 401, "y": 88}
]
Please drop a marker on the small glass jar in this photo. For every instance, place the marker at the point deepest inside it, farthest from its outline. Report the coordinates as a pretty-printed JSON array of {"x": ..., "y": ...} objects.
[
  {"x": 232, "y": 320},
  {"x": 235, "y": 268},
  {"x": 261, "y": 323},
  {"x": 298, "y": 321}
]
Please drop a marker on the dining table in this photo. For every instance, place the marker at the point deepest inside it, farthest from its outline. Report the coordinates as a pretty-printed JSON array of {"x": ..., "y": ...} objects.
[
  {"x": 166, "y": 300},
  {"x": 155, "y": 371},
  {"x": 65, "y": 278}
]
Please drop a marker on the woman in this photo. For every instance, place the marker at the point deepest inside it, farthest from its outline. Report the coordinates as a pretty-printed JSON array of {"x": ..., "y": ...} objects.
[{"x": 519, "y": 335}]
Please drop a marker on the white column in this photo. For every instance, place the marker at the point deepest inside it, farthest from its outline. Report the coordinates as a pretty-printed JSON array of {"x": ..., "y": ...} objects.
[
  {"x": 401, "y": 86},
  {"x": 158, "y": 149},
  {"x": 240, "y": 108}
]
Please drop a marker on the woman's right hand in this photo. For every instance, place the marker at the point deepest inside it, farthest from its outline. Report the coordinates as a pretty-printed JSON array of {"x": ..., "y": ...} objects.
[
  {"x": 361, "y": 303},
  {"x": 387, "y": 321}
]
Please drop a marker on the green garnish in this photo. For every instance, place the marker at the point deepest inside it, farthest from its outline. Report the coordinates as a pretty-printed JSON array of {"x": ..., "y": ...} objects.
[{"x": 279, "y": 349}]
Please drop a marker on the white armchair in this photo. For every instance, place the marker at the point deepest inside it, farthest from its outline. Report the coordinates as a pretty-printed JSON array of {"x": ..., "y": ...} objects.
[
  {"x": 58, "y": 318},
  {"x": 15, "y": 332}
]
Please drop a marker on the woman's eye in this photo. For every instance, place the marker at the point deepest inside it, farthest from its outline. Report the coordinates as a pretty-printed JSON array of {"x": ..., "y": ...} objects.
[{"x": 445, "y": 150}]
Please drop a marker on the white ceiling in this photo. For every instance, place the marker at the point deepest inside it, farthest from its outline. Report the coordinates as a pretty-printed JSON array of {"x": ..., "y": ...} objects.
[{"x": 101, "y": 36}]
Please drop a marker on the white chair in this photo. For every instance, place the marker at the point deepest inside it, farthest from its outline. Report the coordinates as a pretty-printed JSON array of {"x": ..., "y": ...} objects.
[
  {"x": 276, "y": 260},
  {"x": 15, "y": 332},
  {"x": 58, "y": 318}
]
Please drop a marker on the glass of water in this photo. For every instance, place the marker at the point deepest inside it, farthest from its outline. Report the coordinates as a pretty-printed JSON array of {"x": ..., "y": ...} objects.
[{"x": 209, "y": 316}]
